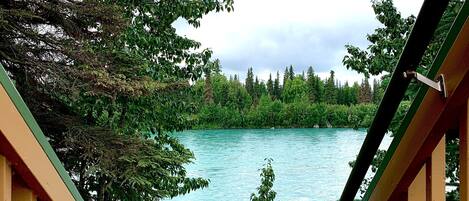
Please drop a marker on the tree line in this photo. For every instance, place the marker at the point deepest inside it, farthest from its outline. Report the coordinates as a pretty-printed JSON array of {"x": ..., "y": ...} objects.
[{"x": 302, "y": 100}]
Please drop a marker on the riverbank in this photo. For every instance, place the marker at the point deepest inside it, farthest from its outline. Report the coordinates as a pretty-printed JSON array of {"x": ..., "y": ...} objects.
[{"x": 280, "y": 115}]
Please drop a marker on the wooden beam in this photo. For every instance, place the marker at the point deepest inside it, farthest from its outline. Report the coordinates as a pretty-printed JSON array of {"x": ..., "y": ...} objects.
[
  {"x": 21, "y": 193},
  {"x": 436, "y": 176},
  {"x": 429, "y": 184},
  {"x": 428, "y": 125},
  {"x": 5, "y": 179},
  {"x": 417, "y": 189},
  {"x": 30, "y": 160},
  {"x": 463, "y": 153}
]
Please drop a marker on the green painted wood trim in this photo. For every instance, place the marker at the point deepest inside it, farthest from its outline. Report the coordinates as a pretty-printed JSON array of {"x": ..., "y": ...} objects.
[
  {"x": 36, "y": 130},
  {"x": 443, "y": 52}
]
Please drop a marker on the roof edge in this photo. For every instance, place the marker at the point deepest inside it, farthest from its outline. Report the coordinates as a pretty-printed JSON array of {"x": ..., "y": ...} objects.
[
  {"x": 438, "y": 61},
  {"x": 38, "y": 134}
]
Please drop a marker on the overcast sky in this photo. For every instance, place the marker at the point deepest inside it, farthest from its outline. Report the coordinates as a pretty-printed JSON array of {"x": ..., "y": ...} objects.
[{"x": 271, "y": 34}]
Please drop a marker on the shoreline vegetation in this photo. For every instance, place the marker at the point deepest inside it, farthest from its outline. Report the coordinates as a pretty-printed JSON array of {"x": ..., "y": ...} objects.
[
  {"x": 302, "y": 101},
  {"x": 272, "y": 114}
]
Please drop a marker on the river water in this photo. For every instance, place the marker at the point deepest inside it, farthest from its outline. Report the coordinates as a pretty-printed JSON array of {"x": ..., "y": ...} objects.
[{"x": 309, "y": 164}]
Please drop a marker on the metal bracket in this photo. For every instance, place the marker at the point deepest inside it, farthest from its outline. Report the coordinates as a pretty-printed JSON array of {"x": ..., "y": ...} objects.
[{"x": 438, "y": 85}]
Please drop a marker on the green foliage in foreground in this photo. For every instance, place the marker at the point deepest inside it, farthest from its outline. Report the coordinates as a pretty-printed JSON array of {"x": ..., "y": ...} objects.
[
  {"x": 264, "y": 191},
  {"x": 100, "y": 76}
]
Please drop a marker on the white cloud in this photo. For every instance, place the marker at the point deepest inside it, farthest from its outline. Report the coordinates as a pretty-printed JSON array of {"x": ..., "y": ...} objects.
[{"x": 271, "y": 34}]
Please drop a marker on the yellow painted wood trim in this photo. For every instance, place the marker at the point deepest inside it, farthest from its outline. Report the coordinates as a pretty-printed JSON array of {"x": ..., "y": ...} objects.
[
  {"x": 417, "y": 190},
  {"x": 463, "y": 153},
  {"x": 437, "y": 176},
  {"x": 21, "y": 193},
  {"x": 18, "y": 134},
  {"x": 425, "y": 122},
  {"x": 5, "y": 179}
]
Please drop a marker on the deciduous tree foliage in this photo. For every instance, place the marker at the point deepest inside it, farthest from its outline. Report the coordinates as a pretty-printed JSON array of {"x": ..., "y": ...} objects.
[
  {"x": 106, "y": 80},
  {"x": 294, "y": 89},
  {"x": 264, "y": 191},
  {"x": 386, "y": 42}
]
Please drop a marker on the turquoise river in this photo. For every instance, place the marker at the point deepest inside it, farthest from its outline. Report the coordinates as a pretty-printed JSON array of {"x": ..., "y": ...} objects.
[{"x": 309, "y": 164}]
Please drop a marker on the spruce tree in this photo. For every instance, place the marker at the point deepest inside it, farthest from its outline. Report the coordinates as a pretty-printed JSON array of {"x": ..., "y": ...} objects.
[
  {"x": 270, "y": 86},
  {"x": 365, "y": 92},
  {"x": 311, "y": 83},
  {"x": 256, "y": 90},
  {"x": 221, "y": 95},
  {"x": 286, "y": 76},
  {"x": 277, "y": 90},
  {"x": 330, "y": 92},
  {"x": 376, "y": 92},
  {"x": 347, "y": 94},
  {"x": 291, "y": 73},
  {"x": 319, "y": 89},
  {"x": 208, "y": 89},
  {"x": 249, "y": 84},
  {"x": 340, "y": 95},
  {"x": 355, "y": 93},
  {"x": 262, "y": 89}
]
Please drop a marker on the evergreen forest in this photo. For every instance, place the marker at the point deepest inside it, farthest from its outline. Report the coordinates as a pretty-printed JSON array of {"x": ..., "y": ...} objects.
[{"x": 297, "y": 101}]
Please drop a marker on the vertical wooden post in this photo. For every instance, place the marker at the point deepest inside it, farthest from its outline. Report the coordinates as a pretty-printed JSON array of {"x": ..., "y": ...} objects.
[
  {"x": 417, "y": 189},
  {"x": 463, "y": 155},
  {"x": 5, "y": 179},
  {"x": 22, "y": 193},
  {"x": 436, "y": 176}
]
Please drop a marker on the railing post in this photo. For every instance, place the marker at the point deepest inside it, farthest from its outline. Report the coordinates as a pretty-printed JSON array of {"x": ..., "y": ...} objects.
[
  {"x": 429, "y": 184},
  {"x": 417, "y": 189},
  {"x": 22, "y": 193},
  {"x": 436, "y": 176},
  {"x": 5, "y": 179}
]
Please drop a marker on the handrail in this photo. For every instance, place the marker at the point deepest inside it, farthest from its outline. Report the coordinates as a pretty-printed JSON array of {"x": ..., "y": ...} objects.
[{"x": 419, "y": 38}]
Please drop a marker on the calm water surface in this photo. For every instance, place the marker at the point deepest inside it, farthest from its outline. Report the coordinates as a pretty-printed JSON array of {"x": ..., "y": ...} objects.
[{"x": 310, "y": 164}]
